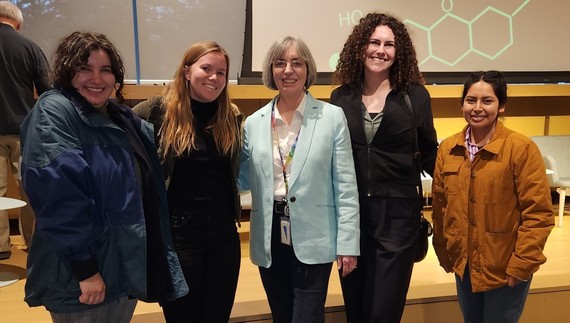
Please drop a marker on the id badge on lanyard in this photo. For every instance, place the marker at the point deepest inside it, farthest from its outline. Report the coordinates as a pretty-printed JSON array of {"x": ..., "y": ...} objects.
[
  {"x": 285, "y": 219},
  {"x": 285, "y": 225},
  {"x": 285, "y": 230}
]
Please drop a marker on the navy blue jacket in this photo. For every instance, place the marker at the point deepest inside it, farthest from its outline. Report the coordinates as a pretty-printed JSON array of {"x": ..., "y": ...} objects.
[{"x": 79, "y": 171}]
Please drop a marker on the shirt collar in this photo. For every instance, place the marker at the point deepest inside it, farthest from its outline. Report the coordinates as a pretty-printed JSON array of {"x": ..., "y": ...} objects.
[
  {"x": 299, "y": 111},
  {"x": 495, "y": 143},
  {"x": 468, "y": 138}
]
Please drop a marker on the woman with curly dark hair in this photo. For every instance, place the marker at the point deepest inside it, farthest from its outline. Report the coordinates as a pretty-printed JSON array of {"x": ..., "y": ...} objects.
[
  {"x": 89, "y": 166},
  {"x": 377, "y": 69}
]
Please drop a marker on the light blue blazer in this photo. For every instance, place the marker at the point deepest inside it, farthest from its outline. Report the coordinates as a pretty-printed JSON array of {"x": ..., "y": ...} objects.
[{"x": 323, "y": 196}]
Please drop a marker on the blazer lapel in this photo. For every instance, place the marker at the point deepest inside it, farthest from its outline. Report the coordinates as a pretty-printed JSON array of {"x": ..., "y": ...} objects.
[
  {"x": 310, "y": 116},
  {"x": 265, "y": 143},
  {"x": 354, "y": 117}
]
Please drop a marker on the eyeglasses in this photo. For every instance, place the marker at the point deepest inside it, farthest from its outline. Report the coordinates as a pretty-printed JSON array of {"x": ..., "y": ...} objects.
[{"x": 282, "y": 64}]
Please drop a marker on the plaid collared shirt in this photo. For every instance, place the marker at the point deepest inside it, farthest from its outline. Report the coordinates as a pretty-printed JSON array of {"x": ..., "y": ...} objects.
[{"x": 472, "y": 148}]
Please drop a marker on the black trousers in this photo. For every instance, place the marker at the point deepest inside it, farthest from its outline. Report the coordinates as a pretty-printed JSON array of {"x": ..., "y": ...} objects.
[
  {"x": 208, "y": 248},
  {"x": 376, "y": 290},
  {"x": 296, "y": 291}
]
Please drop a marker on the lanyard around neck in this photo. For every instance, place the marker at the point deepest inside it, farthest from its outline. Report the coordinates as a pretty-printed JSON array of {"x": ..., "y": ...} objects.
[{"x": 284, "y": 162}]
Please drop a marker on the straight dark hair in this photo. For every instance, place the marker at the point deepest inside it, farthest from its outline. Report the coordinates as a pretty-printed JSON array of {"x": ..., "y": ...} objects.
[{"x": 495, "y": 78}]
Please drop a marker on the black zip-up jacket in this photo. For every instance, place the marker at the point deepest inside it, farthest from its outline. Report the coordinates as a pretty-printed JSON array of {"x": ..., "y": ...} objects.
[{"x": 386, "y": 167}]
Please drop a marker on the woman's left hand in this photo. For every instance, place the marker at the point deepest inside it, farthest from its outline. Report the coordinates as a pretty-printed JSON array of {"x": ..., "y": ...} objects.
[
  {"x": 513, "y": 281},
  {"x": 346, "y": 263}
]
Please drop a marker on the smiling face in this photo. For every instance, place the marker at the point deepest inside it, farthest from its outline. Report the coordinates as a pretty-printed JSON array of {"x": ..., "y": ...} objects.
[
  {"x": 290, "y": 73},
  {"x": 481, "y": 107},
  {"x": 207, "y": 77},
  {"x": 381, "y": 51},
  {"x": 95, "y": 80}
]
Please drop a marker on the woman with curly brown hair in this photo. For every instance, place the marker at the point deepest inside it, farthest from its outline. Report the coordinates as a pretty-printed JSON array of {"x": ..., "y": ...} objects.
[
  {"x": 377, "y": 68},
  {"x": 90, "y": 169}
]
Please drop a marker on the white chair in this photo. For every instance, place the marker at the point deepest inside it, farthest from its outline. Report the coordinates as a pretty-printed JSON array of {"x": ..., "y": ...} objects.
[
  {"x": 426, "y": 186},
  {"x": 556, "y": 155}
]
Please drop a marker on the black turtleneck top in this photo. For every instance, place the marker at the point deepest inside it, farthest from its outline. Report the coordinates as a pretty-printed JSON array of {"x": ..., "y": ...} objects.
[{"x": 201, "y": 179}]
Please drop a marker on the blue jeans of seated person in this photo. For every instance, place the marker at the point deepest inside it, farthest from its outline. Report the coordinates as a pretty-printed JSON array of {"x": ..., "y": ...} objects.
[{"x": 501, "y": 305}]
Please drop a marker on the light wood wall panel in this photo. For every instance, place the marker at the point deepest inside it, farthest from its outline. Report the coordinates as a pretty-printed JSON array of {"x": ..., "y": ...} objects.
[
  {"x": 446, "y": 127},
  {"x": 528, "y": 126},
  {"x": 558, "y": 125}
]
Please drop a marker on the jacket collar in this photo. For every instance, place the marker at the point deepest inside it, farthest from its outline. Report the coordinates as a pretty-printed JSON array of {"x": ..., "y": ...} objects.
[
  {"x": 354, "y": 113},
  {"x": 91, "y": 116},
  {"x": 493, "y": 146},
  {"x": 497, "y": 140},
  {"x": 310, "y": 116}
]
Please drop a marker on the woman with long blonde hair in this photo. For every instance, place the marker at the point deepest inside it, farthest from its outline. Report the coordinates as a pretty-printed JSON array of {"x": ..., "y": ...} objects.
[{"x": 198, "y": 131}]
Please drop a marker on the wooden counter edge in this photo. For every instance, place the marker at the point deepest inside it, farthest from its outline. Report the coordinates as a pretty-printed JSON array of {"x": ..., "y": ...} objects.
[{"x": 260, "y": 92}]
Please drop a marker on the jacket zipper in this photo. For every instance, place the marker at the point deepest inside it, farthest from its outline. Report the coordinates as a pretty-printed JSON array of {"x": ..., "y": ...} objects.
[{"x": 368, "y": 153}]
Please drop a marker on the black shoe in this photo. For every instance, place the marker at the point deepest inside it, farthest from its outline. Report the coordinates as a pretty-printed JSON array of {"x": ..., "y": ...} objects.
[{"x": 5, "y": 255}]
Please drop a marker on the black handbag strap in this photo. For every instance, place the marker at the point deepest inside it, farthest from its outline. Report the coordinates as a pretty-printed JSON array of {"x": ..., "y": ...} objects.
[
  {"x": 417, "y": 159},
  {"x": 417, "y": 154}
]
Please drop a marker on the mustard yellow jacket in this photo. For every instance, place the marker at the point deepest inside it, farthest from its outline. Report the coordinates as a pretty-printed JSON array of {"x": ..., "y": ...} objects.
[{"x": 494, "y": 213}]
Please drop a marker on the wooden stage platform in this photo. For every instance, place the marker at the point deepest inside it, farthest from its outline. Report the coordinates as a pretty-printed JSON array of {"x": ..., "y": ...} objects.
[{"x": 432, "y": 296}]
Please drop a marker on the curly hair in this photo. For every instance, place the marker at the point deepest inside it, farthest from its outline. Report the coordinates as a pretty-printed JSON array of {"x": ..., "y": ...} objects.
[
  {"x": 350, "y": 67},
  {"x": 74, "y": 50},
  {"x": 178, "y": 132}
]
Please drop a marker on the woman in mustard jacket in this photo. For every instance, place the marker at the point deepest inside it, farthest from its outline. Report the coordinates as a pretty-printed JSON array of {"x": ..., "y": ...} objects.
[{"x": 492, "y": 209}]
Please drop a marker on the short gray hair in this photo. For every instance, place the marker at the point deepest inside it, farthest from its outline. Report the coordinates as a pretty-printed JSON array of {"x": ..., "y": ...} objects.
[
  {"x": 276, "y": 51},
  {"x": 10, "y": 11}
]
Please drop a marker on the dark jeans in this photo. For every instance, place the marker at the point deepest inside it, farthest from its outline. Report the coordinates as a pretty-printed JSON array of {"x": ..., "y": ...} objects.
[
  {"x": 501, "y": 305},
  {"x": 208, "y": 248},
  {"x": 376, "y": 290},
  {"x": 296, "y": 291}
]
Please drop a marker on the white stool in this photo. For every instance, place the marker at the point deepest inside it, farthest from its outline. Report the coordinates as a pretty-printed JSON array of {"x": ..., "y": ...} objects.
[{"x": 6, "y": 203}]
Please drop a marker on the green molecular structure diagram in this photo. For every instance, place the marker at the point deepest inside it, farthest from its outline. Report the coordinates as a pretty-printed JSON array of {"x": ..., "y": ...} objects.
[{"x": 477, "y": 30}]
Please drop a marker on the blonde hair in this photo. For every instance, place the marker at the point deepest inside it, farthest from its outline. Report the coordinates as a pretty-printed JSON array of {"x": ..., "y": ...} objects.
[{"x": 178, "y": 131}]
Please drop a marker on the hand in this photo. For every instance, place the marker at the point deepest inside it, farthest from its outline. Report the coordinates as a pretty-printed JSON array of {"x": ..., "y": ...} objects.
[
  {"x": 513, "y": 281},
  {"x": 92, "y": 290},
  {"x": 346, "y": 263}
]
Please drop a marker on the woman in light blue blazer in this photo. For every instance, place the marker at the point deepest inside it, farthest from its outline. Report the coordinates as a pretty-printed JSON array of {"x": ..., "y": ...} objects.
[{"x": 297, "y": 162}]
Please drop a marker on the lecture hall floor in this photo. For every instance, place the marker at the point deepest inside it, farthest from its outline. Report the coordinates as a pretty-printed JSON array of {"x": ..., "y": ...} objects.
[{"x": 431, "y": 297}]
